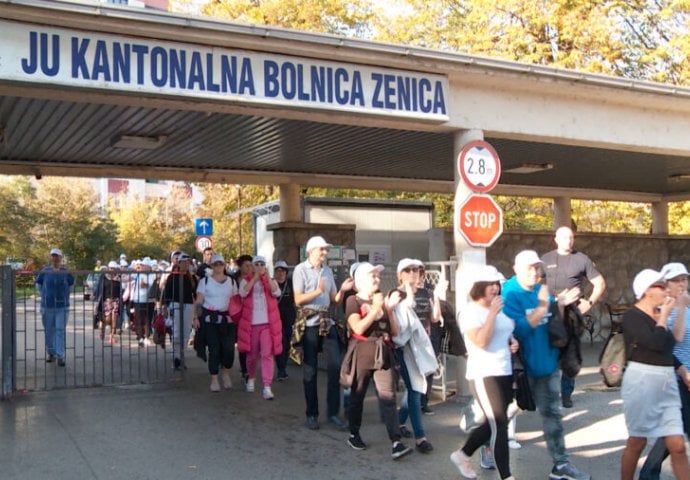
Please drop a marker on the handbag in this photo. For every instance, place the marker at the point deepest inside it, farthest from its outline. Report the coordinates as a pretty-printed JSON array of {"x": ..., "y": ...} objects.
[
  {"x": 235, "y": 308},
  {"x": 347, "y": 368},
  {"x": 522, "y": 390},
  {"x": 558, "y": 333}
]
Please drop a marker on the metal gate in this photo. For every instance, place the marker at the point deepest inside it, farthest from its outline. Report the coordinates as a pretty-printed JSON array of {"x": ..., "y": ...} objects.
[{"x": 89, "y": 359}]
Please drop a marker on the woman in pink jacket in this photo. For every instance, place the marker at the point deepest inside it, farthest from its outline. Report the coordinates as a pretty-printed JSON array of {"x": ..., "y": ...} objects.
[{"x": 260, "y": 329}]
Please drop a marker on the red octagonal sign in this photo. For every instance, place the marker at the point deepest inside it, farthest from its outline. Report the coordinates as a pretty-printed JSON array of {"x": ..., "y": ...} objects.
[{"x": 480, "y": 220}]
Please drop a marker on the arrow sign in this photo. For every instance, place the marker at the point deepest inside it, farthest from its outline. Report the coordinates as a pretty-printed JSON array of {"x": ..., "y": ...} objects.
[{"x": 203, "y": 226}]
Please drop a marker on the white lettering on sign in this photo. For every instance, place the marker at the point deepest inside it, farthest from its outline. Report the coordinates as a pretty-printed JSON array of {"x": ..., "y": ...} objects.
[
  {"x": 32, "y": 53},
  {"x": 481, "y": 220}
]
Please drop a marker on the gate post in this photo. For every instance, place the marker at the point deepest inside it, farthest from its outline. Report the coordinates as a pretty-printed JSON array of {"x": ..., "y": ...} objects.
[{"x": 7, "y": 345}]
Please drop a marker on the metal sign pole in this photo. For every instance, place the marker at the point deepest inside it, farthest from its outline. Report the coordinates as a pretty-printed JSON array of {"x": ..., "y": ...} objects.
[{"x": 7, "y": 333}]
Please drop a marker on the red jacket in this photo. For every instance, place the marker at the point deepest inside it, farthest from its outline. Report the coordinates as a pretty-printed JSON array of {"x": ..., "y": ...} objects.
[{"x": 244, "y": 328}]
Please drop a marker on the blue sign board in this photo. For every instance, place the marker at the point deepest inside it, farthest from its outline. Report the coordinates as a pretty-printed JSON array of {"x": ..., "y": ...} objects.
[{"x": 203, "y": 226}]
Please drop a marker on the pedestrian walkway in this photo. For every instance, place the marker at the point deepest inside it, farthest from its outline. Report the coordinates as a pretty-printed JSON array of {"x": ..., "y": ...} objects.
[{"x": 180, "y": 430}]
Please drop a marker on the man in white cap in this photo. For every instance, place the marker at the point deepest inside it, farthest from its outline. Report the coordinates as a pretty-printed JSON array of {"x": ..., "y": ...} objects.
[
  {"x": 55, "y": 283},
  {"x": 527, "y": 302},
  {"x": 315, "y": 289},
  {"x": 567, "y": 268}
]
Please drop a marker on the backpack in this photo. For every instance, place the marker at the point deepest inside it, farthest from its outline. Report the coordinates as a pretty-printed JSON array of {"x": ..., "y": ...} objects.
[{"x": 612, "y": 360}]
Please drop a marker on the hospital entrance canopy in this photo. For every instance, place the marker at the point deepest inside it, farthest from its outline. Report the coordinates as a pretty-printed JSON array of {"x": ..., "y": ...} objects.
[{"x": 96, "y": 90}]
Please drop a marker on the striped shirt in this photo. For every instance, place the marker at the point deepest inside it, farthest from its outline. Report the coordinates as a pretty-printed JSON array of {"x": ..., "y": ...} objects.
[{"x": 682, "y": 349}]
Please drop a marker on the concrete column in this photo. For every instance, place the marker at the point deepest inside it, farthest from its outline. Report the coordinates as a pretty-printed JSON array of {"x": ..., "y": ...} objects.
[
  {"x": 660, "y": 218},
  {"x": 466, "y": 254},
  {"x": 290, "y": 207},
  {"x": 562, "y": 216}
]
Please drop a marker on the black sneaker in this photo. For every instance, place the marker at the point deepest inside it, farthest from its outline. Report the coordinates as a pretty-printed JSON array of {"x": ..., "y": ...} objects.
[
  {"x": 426, "y": 410},
  {"x": 50, "y": 358},
  {"x": 177, "y": 363},
  {"x": 567, "y": 402},
  {"x": 405, "y": 432},
  {"x": 61, "y": 362},
  {"x": 355, "y": 441},
  {"x": 400, "y": 450},
  {"x": 424, "y": 447}
]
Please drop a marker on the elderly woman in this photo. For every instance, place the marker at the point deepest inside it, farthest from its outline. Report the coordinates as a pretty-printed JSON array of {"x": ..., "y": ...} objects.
[
  {"x": 371, "y": 324},
  {"x": 260, "y": 332},
  {"x": 212, "y": 320},
  {"x": 489, "y": 339},
  {"x": 651, "y": 403}
]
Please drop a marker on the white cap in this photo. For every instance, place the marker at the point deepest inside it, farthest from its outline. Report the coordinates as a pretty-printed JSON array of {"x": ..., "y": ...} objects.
[
  {"x": 183, "y": 257},
  {"x": 486, "y": 273},
  {"x": 407, "y": 262},
  {"x": 281, "y": 264},
  {"x": 122, "y": 255},
  {"x": 56, "y": 251},
  {"x": 363, "y": 270},
  {"x": 353, "y": 269},
  {"x": 217, "y": 257},
  {"x": 258, "y": 258},
  {"x": 645, "y": 279},
  {"x": 527, "y": 257},
  {"x": 113, "y": 264},
  {"x": 317, "y": 242},
  {"x": 673, "y": 270}
]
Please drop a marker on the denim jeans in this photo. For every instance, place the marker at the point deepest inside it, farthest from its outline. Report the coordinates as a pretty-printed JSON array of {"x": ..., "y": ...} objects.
[
  {"x": 411, "y": 402},
  {"x": 547, "y": 396},
  {"x": 54, "y": 323},
  {"x": 651, "y": 470},
  {"x": 331, "y": 352},
  {"x": 567, "y": 385}
]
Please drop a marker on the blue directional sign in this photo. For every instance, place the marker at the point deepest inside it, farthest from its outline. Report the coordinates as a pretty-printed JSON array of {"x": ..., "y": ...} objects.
[{"x": 203, "y": 226}]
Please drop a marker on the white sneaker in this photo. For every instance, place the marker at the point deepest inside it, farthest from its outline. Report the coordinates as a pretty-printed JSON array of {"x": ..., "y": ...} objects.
[
  {"x": 215, "y": 386},
  {"x": 267, "y": 393},
  {"x": 463, "y": 463},
  {"x": 227, "y": 382},
  {"x": 514, "y": 444},
  {"x": 250, "y": 385}
]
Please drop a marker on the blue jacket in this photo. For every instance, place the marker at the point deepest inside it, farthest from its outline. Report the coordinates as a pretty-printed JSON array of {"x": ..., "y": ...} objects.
[
  {"x": 55, "y": 287},
  {"x": 541, "y": 358}
]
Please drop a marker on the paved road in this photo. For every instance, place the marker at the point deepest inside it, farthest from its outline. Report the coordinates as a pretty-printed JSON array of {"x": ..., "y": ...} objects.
[{"x": 179, "y": 430}]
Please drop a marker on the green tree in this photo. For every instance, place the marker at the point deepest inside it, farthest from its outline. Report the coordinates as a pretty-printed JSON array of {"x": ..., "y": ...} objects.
[
  {"x": 18, "y": 218},
  {"x": 614, "y": 217},
  {"x": 67, "y": 217}
]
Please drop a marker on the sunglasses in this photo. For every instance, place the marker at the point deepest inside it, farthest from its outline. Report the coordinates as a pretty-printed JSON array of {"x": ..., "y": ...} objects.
[
  {"x": 260, "y": 264},
  {"x": 218, "y": 263},
  {"x": 411, "y": 269}
]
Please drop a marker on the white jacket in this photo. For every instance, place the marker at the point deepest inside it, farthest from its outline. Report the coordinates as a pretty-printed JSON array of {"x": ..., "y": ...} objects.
[{"x": 418, "y": 352}]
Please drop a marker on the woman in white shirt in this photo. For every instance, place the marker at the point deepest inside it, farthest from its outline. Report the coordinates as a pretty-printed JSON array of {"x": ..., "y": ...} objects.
[
  {"x": 212, "y": 320},
  {"x": 489, "y": 339}
]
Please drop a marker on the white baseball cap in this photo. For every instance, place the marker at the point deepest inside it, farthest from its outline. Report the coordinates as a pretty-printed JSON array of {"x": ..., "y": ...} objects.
[
  {"x": 486, "y": 273},
  {"x": 281, "y": 264},
  {"x": 673, "y": 270},
  {"x": 56, "y": 251},
  {"x": 259, "y": 258},
  {"x": 363, "y": 270},
  {"x": 645, "y": 279},
  {"x": 407, "y": 262},
  {"x": 217, "y": 257},
  {"x": 113, "y": 264},
  {"x": 317, "y": 242},
  {"x": 526, "y": 258}
]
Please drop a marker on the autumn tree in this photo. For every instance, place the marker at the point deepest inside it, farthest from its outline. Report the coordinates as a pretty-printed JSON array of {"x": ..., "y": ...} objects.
[{"x": 18, "y": 218}]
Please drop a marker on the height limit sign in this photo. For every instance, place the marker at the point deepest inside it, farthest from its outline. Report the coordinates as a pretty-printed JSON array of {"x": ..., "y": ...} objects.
[{"x": 479, "y": 166}]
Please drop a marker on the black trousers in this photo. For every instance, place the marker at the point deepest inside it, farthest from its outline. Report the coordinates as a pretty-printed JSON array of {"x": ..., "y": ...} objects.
[{"x": 220, "y": 340}]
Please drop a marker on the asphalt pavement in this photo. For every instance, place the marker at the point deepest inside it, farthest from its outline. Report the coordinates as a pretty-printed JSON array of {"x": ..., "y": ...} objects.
[{"x": 180, "y": 430}]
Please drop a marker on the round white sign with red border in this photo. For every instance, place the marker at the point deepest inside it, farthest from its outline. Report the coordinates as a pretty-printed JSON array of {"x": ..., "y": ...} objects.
[
  {"x": 479, "y": 166},
  {"x": 203, "y": 242}
]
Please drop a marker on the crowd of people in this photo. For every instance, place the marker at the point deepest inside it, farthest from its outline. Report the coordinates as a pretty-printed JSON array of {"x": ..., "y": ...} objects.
[{"x": 392, "y": 338}]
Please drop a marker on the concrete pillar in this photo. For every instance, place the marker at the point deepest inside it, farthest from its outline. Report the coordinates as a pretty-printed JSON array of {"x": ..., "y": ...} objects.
[
  {"x": 660, "y": 218},
  {"x": 290, "y": 207},
  {"x": 562, "y": 216},
  {"x": 465, "y": 253}
]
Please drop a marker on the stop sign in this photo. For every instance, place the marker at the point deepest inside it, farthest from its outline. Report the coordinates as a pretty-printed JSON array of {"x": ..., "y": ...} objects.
[{"x": 480, "y": 220}]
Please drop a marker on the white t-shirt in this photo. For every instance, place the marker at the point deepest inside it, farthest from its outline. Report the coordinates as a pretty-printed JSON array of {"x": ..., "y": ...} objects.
[
  {"x": 494, "y": 359},
  {"x": 216, "y": 295},
  {"x": 141, "y": 284}
]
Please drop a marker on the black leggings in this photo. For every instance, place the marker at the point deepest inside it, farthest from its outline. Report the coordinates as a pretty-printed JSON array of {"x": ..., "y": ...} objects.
[
  {"x": 220, "y": 339},
  {"x": 493, "y": 394}
]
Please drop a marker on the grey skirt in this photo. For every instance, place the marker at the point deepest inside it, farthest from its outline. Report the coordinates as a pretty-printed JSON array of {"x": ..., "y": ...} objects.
[{"x": 651, "y": 403}]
